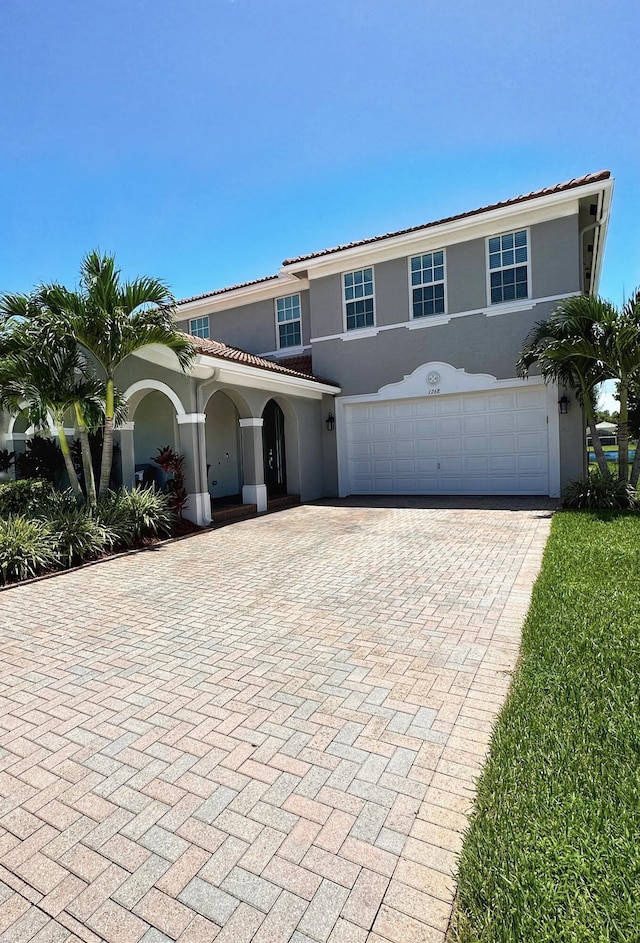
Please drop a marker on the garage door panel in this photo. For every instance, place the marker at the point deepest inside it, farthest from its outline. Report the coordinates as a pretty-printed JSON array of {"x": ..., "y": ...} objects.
[
  {"x": 379, "y": 447},
  {"x": 425, "y": 407},
  {"x": 449, "y": 445},
  {"x": 531, "y": 419},
  {"x": 500, "y": 402},
  {"x": 382, "y": 467},
  {"x": 474, "y": 424},
  {"x": 405, "y": 447},
  {"x": 476, "y": 466},
  {"x": 425, "y": 427},
  {"x": 503, "y": 464},
  {"x": 476, "y": 443},
  {"x": 530, "y": 442},
  {"x": 382, "y": 411},
  {"x": 448, "y": 406},
  {"x": 502, "y": 422}
]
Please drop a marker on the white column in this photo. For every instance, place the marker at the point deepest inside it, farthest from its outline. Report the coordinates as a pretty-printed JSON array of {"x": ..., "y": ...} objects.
[
  {"x": 193, "y": 447},
  {"x": 254, "y": 490}
]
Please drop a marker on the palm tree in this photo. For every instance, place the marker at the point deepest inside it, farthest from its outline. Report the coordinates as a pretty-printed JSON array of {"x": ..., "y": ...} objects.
[
  {"x": 612, "y": 342},
  {"x": 557, "y": 346},
  {"x": 113, "y": 319},
  {"x": 47, "y": 380},
  {"x": 50, "y": 374}
]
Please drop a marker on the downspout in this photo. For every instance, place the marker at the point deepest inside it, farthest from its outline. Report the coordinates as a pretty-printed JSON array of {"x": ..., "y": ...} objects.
[{"x": 596, "y": 224}]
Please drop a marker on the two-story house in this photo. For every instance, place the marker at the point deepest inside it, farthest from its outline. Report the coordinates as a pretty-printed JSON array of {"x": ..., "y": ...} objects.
[{"x": 384, "y": 366}]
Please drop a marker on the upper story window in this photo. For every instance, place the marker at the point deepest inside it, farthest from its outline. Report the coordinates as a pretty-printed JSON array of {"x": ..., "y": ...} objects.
[
  {"x": 199, "y": 327},
  {"x": 289, "y": 321},
  {"x": 427, "y": 284},
  {"x": 509, "y": 267},
  {"x": 358, "y": 298}
]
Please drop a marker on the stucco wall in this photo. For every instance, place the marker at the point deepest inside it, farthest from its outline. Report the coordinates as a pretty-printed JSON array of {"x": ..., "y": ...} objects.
[{"x": 252, "y": 327}]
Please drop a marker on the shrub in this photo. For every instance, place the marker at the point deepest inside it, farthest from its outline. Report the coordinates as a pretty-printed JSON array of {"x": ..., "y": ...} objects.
[
  {"x": 42, "y": 459},
  {"x": 27, "y": 548},
  {"x": 115, "y": 516},
  {"x": 24, "y": 497},
  {"x": 599, "y": 492},
  {"x": 7, "y": 459},
  {"x": 77, "y": 534},
  {"x": 147, "y": 512}
]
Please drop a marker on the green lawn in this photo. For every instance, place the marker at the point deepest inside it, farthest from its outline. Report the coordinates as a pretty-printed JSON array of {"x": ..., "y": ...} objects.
[{"x": 553, "y": 851}]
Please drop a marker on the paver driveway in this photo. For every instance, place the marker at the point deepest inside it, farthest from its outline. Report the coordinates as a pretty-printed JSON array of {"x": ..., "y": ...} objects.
[{"x": 267, "y": 732}]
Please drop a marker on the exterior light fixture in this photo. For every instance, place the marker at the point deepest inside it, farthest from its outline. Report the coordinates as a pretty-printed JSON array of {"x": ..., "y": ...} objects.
[
  {"x": 330, "y": 422},
  {"x": 563, "y": 404}
]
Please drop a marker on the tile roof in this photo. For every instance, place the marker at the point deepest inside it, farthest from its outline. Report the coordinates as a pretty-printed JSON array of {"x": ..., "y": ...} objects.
[
  {"x": 218, "y": 349},
  {"x": 568, "y": 185},
  {"x": 222, "y": 291},
  {"x": 301, "y": 363}
]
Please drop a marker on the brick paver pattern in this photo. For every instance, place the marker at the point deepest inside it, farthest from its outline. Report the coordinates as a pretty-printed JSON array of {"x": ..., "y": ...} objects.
[{"x": 264, "y": 733}]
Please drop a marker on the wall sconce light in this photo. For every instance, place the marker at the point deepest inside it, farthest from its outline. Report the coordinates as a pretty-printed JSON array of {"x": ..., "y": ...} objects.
[
  {"x": 563, "y": 404},
  {"x": 330, "y": 421}
]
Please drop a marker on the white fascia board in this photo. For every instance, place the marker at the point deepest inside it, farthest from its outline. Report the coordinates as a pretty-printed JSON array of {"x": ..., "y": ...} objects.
[
  {"x": 607, "y": 198},
  {"x": 286, "y": 284},
  {"x": 491, "y": 222}
]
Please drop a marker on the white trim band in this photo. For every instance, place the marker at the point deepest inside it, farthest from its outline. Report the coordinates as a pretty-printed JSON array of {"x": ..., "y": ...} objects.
[
  {"x": 192, "y": 418},
  {"x": 247, "y": 423}
]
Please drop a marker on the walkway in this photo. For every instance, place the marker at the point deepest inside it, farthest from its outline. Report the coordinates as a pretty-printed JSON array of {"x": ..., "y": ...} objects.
[{"x": 265, "y": 733}]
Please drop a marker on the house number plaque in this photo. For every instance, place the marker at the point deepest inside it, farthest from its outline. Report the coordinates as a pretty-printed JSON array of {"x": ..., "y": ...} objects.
[{"x": 433, "y": 379}]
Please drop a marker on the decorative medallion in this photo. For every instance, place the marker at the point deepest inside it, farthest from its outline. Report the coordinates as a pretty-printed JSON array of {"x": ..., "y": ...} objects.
[{"x": 433, "y": 378}]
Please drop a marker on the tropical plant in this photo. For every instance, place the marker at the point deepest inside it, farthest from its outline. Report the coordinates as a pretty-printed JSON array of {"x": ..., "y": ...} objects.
[
  {"x": 612, "y": 343},
  {"x": 598, "y": 492},
  {"x": 47, "y": 376},
  {"x": 25, "y": 497},
  {"x": 7, "y": 459},
  {"x": 563, "y": 347},
  {"x": 77, "y": 534},
  {"x": 113, "y": 319},
  {"x": 172, "y": 463},
  {"x": 147, "y": 512},
  {"x": 42, "y": 459},
  {"x": 27, "y": 548}
]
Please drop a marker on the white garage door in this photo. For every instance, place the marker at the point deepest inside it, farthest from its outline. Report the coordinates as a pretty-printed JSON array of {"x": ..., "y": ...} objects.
[{"x": 475, "y": 443}]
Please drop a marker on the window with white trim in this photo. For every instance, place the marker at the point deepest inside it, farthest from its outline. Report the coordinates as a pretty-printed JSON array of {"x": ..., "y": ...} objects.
[
  {"x": 508, "y": 267},
  {"x": 427, "y": 284},
  {"x": 289, "y": 321},
  {"x": 358, "y": 298},
  {"x": 199, "y": 327}
]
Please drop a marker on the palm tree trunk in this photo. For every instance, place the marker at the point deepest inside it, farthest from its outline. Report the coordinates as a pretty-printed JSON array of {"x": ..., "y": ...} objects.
[
  {"x": 68, "y": 462},
  {"x": 623, "y": 434},
  {"x": 601, "y": 458},
  {"x": 107, "y": 441},
  {"x": 87, "y": 464}
]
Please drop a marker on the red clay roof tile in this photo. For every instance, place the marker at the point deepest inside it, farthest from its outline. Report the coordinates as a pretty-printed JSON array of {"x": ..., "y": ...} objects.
[{"x": 218, "y": 349}]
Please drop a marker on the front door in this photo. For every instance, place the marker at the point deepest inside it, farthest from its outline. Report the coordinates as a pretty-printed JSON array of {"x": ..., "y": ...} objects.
[{"x": 275, "y": 469}]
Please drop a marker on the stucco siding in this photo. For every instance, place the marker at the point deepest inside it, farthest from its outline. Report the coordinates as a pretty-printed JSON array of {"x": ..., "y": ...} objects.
[
  {"x": 555, "y": 257},
  {"x": 466, "y": 276}
]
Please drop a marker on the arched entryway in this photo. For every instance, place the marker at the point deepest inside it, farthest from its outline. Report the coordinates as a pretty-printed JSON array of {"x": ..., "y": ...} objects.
[
  {"x": 274, "y": 450},
  {"x": 224, "y": 453},
  {"x": 155, "y": 427}
]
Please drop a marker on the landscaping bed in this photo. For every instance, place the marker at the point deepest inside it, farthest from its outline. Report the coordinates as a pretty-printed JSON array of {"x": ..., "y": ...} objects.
[
  {"x": 553, "y": 849},
  {"x": 43, "y": 531}
]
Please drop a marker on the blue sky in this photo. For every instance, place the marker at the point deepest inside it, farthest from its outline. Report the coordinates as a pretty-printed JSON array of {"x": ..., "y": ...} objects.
[{"x": 205, "y": 141}]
